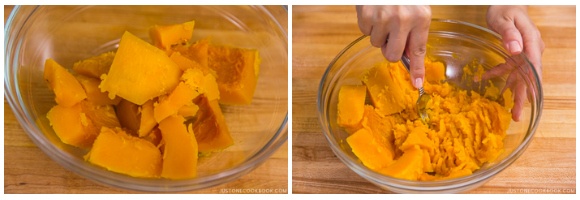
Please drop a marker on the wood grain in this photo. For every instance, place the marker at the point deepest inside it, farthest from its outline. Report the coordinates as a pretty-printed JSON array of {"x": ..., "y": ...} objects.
[
  {"x": 29, "y": 170},
  {"x": 547, "y": 166}
]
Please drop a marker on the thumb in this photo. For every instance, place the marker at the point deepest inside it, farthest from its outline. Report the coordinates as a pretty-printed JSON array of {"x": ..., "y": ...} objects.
[{"x": 511, "y": 36}]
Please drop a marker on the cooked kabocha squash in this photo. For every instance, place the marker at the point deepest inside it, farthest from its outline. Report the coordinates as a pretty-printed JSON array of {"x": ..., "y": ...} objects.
[
  {"x": 67, "y": 89},
  {"x": 210, "y": 128},
  {"x": 139, "y": 72},
  {"x": 237, "y": 73},
  {"x": 180, "y": 152},
  {"x": 117, "y": 151},
  {"x": 163, "y": 36}
]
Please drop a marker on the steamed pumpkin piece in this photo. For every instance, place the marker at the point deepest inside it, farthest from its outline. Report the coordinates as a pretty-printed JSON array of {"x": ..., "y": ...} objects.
[
  {"x": 166, "y": 36},
  {"x": 67, "y": 90},
  {"x": 202, "y": 83},
  {"x": 129, "y": 115},
  {"x": 139, "y": 72},
  {"x": 372, "y": 154},
  {"x": 179, "y": 97},
  {"x": 185, "y": 63},
  {"x": 95, "y": 66},
  {"x": 351, "y": 102},
  {"x": 387, "y": 87},
  {"x": 197, "y": 52},
  {"x": 146, "y": 118},
  {"x": 210, "y": 127},
  {"x": 72, "y": 126},
  {"x": 409, "y": 166},
  {"x": 119, "y": 152},
  {"x": 94, "y": 94},
  {"x": 180, "y": 152},
  {"x": 100, "y": 115},
  {"x": 237, "y": 73}
]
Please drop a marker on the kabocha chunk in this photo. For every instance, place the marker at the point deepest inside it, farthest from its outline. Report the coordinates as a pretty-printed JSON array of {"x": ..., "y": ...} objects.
[
  {"x": 179, "y": 97},
  {"x": 94, "y": 94},
  {"x": 165, "y": 36},
  {"x": 237, "y": 73},
  {"x": 146, "y": 118},
  {"x": 67, "y": 90},
  {"x": 119, "y": 152},
  {"x": 100, "y": 115},
  {"x": 129, "y": 115},
  {"x": 387, "y": 85},
  {"x": 140, "y": 71},
  {"x": 95, "y": 66},
  {"x": 203, "y": 84},
  {"x": 154, "y": 137},
  {"x": 197, "y": 52},
  {"x": 186, "y": 63},
  {"x": 210, "y": 127},
  {"x": 351, "y": 103},
  {"x": 370, "y": 151},
  {"x": 409, "y": 166},
  {"x": 72, "y": 126},
  {"x": 180, "y": 153},
  {"x": 188, "y": 110}
]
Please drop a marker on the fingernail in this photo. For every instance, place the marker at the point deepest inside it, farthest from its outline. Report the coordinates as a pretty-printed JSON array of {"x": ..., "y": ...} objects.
[
  {"x": 418, "y": 83},
  {"x": 514, "y": 47}
]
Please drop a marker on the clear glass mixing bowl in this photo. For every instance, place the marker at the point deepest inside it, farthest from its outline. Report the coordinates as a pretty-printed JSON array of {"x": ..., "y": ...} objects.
[
  {"x": 456, "y": 44},
  {"x": 71, "y": 33}
]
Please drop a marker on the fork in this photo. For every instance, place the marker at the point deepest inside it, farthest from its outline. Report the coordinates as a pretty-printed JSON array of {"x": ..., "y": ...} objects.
[{"x": 423, "y": 97}]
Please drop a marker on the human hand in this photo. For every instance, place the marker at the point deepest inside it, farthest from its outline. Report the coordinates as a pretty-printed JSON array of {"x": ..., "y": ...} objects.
[
  {"x": 405, "y": 27},
  {"x": 519, "y": 35}
]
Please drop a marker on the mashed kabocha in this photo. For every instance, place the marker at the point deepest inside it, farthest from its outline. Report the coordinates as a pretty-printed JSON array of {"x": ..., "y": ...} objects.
[
  {"x": 148, "y": 110},
  {"x": 465, "y": 130}
]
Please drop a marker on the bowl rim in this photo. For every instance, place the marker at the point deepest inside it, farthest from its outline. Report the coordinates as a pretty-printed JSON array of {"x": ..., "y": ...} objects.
[
  {"x": 453, "y": 184},
  {"x": 98, "y": 175}
]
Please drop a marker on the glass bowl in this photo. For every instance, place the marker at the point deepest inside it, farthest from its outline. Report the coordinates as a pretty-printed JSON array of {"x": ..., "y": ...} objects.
[
  {"x": 71, "y": 33},
  {"x": 456, "y": 44}
]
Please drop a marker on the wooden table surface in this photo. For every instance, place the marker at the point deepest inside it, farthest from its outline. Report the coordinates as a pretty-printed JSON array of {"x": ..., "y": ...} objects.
[
  {"x": 28, "y": 170},
  {"x": 547, "y": 166}
]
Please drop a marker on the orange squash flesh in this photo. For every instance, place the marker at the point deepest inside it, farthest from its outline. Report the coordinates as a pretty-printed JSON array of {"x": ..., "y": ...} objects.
[
  {"x": 180, "y": 154},
  {"x": 210, "y": 127},
  {"x": 387, "y": 87},
  {"x": 197, "y": 52},
  {"x": 407, "y": 166},
  {"x": 202, "y": 84},
  {"x": 94, "y": 94},
  {"x": 95, "y": 66},
  {"x": 119, "y": 152},
  {"x": 129, "y": 115},
  {"x": 140, "y": 72},
  {"x": 170, "y": 105},
  {"x": 67, "y": 90},
  {"x": 165, "y": 36},
  {"x": 351, "y": 102},
  {"x": 100, "y": 115},
  {"x": 146, "y": 118},
  {"x": 72, "y": 126},
  {"x": 186, "y": 63},
  {"x": 188, "y": 111},
  {"x": 368, "y": 150},
  {"x": 435, "y": 73},
  {"x": 237, "y": 70}
]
